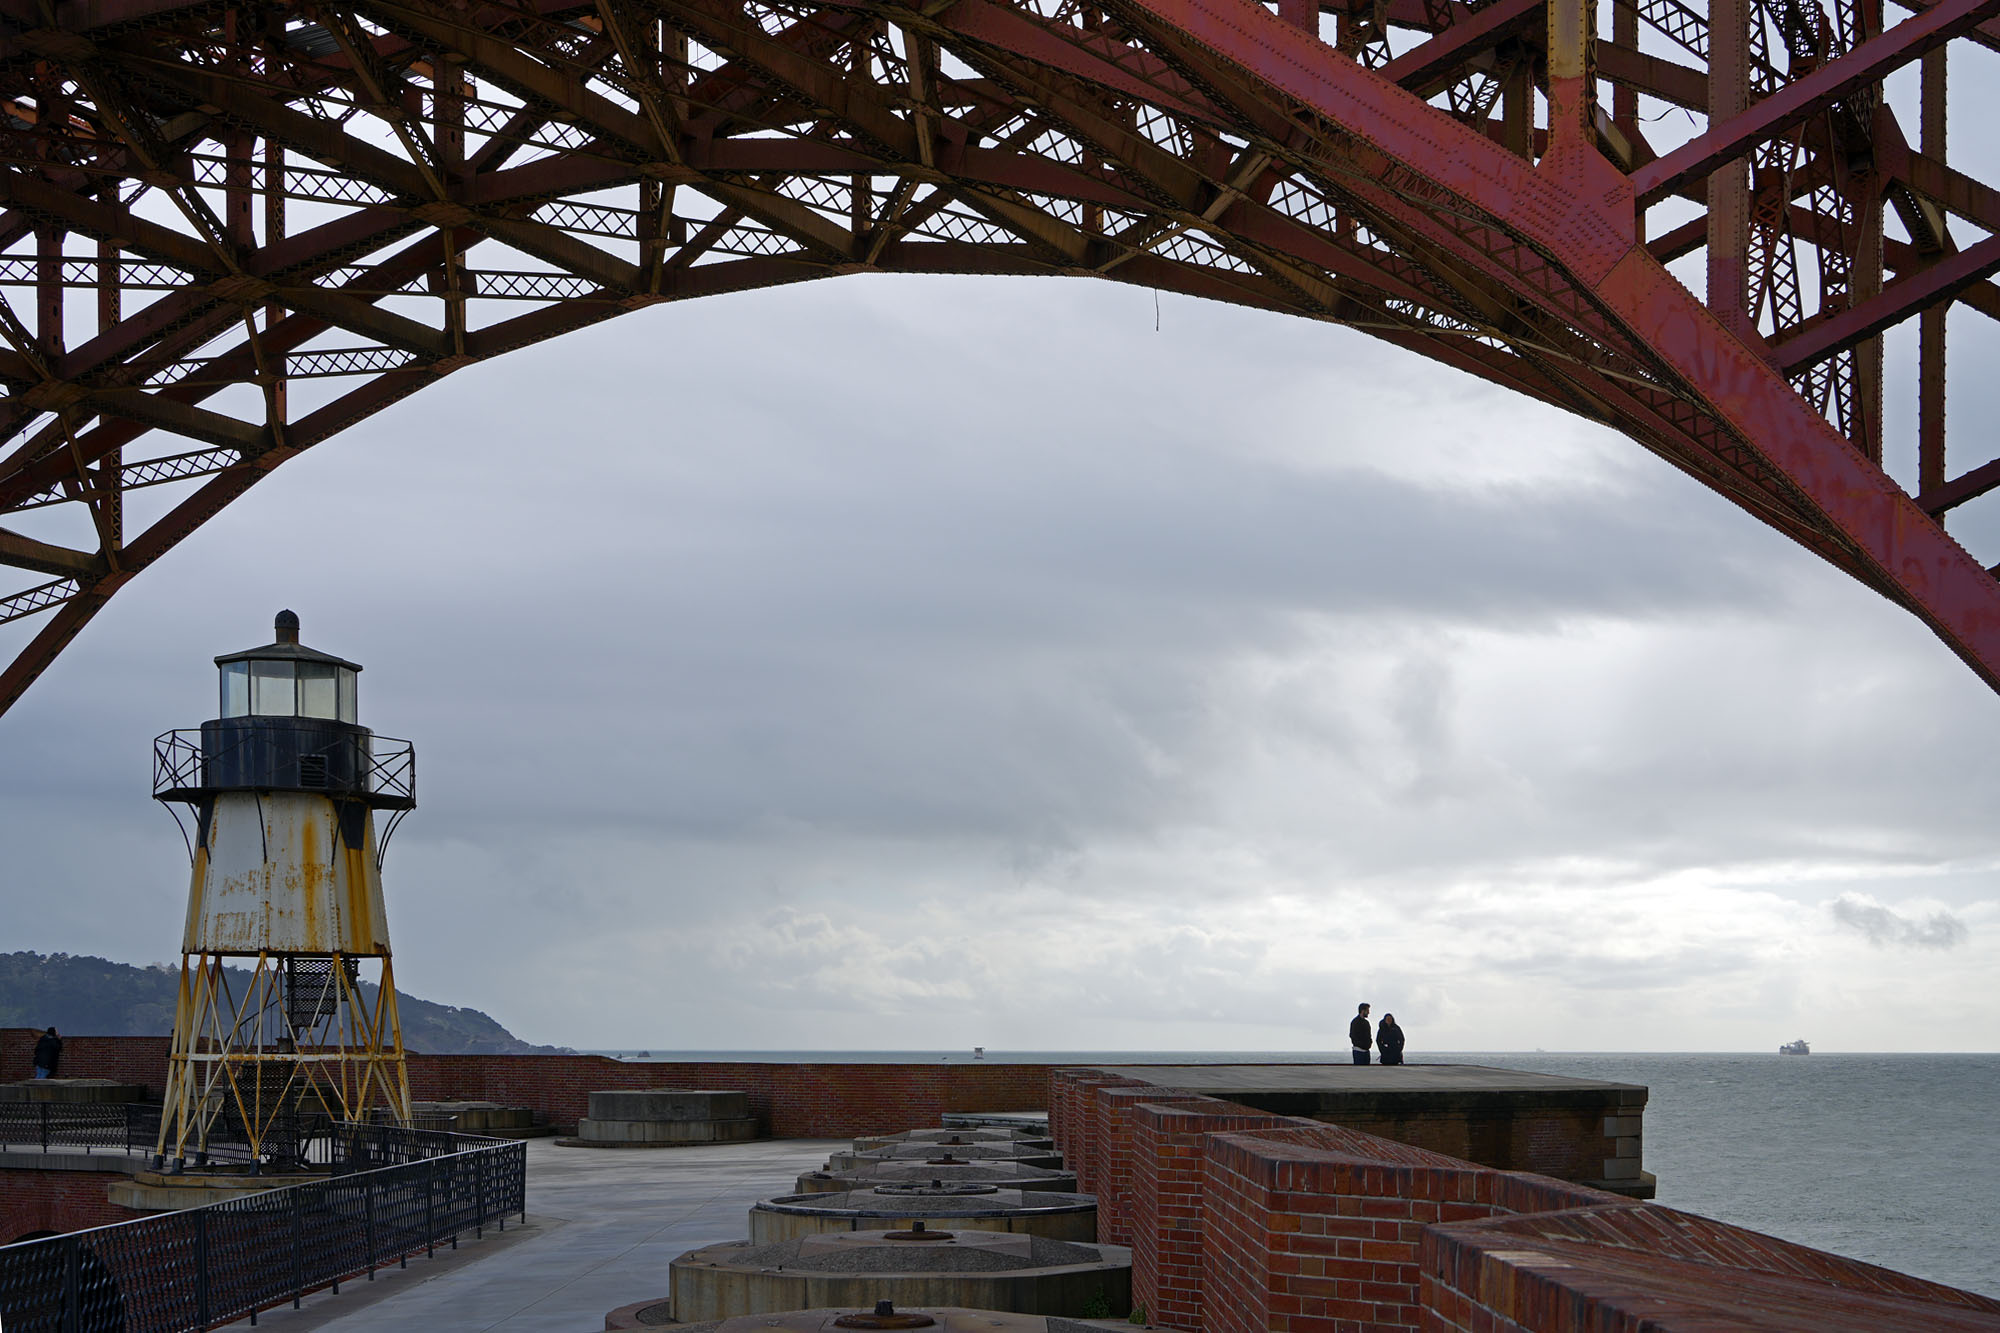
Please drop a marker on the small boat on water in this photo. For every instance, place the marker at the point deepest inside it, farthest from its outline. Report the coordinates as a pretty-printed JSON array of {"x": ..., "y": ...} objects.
[{"x": 1798, "y": 1047}]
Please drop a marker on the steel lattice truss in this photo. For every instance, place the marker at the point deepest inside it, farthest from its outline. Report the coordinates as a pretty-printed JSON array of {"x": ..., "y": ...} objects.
[{"x": 232, "y": 231}]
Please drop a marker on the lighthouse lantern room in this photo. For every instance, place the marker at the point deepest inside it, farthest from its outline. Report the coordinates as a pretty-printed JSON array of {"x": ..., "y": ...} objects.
[{"x": 286, "y": 1018}]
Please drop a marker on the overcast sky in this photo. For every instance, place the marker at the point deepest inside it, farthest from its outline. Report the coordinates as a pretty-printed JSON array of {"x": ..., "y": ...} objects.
[{"x": 912, "y": 663}]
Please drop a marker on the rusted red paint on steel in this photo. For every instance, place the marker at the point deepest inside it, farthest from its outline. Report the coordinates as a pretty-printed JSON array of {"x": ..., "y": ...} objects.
[
  {"x": 1578, "y": 208},
  {"x": 1110, "y": 144},
  {"x": 1866, "y": 63},
  {"x": 1947, "y": 277}
]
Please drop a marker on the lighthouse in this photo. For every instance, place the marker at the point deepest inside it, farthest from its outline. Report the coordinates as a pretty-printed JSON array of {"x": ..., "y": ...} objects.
[{"x": 286, "y": 1017}]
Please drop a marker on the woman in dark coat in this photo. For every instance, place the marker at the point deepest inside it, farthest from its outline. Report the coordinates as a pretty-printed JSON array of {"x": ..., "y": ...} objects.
[{"x": 1389, "y": 1040}]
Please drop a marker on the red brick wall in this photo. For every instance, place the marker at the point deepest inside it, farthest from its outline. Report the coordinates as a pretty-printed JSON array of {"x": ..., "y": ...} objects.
[
  {"x": 1168, "y": 1237},
  {"x": 1330, "y": 1225},
  {"x": 141, "y": 1060},
  {"x": 56, "y": 1201},
  {"x": 1073, "y": 1118},
  {"x": 1625, "y": 1265},
  {"x": 1116, "y": 1107},
  {"x": 1245, "y": 1222},
  {"x": 790, "y": 1100}
]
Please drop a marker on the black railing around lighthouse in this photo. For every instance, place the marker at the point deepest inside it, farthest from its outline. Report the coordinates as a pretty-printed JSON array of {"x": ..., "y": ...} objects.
[{"x": 392, "y": 1194}]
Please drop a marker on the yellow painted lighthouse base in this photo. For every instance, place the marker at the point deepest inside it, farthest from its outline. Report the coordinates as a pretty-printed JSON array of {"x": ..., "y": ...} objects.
[{"x": 302, "y": 1041}]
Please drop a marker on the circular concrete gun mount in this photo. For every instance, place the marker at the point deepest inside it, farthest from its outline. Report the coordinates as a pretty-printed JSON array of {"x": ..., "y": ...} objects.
[
  {"x": 947, "y": 1207},
  {"x": 1035, "y": 1123},
  {"x": 72, "y": 1091},
  {"x": 663, "y": 1118},
  {"x": 946, "y": 1153},
  {"x": 985, "y": 1270},
  {"x": 482, "y": 1118},
  {"x": 930, "y": 1319},
  {"x": 1000, "y": 1174},
  {"x": 952, "y": 1138}
]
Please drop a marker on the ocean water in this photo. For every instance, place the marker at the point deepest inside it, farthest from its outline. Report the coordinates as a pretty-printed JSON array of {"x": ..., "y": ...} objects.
[{"x": 1884, "y": 1158}]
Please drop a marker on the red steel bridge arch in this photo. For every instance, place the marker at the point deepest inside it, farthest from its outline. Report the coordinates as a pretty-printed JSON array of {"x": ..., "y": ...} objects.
[{"x": 233, "y": 230}]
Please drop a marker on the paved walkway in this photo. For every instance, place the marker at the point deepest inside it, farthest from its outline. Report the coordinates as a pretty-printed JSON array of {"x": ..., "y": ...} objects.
[{"x": 603, "y": 1226}]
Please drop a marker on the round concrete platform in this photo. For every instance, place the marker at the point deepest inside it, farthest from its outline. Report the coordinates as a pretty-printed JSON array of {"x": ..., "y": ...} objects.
[
  {"x": 72, "y": 1091},
  {"x": 1034, "y": 1123},
  {"x": 1000, "y": 1174},
  {"x": 1071, "y": 1217},
  {"x": 947, "y": 1153},
  {"x": 981, "y": 1270},
  {"x": 936, "y": 1319},
  {"x": 951, "y": 1138},
  {"x": 663, "y": 1118}
]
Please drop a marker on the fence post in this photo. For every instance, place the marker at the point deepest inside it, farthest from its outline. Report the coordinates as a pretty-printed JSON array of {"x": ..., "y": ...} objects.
[
  {"x": 430, "y": 1207},
  {"x": 298, "y": 1246},
  {"x": 368, "y": 1214},
  {"x": 479, "y": 1189},
  {"x": 45, "y": 1126},
  {"x": 72, "y": 1288},
  {"x": 201, "y": 1266}
]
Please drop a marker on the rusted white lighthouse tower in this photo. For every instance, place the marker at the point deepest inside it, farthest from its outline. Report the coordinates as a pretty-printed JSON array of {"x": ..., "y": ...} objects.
[{"x": 287, "y": 1011}]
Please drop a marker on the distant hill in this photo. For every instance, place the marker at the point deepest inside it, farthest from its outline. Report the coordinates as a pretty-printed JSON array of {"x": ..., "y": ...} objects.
[{"x": 99, "y": 998}]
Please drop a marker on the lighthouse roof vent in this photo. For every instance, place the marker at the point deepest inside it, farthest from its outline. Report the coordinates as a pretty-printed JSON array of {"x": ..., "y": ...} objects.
[{"x": 287, "y": 648}]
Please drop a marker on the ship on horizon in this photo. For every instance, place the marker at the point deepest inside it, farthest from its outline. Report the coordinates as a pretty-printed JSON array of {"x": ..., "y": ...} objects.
[{"x": 1798, "y": 1047}]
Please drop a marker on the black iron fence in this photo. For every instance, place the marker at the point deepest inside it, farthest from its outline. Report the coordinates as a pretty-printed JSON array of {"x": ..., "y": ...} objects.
[
  {"x": 301, "y": 1137},
  {"x": 115, "y": 1126},
  {"x": 258, "y": 753},
  {"x": 393, "y": 1193}
]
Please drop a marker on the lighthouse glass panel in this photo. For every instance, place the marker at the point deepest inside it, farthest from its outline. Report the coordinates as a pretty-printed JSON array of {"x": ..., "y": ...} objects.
[
  {"x": 316, "y": 689},
  {"x": 273, "y": 689},
  {"x": 346, "y": 713},
  {"x": 235, "y": 689}
]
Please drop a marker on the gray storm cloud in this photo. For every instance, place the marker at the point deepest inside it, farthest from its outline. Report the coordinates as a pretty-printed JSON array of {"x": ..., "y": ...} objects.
[
  {"x": 1886, "y": 928},
  {"x": 1180, "y": 702}
]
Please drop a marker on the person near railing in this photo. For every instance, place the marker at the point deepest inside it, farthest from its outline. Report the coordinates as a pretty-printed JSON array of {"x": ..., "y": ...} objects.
[{"x": 48, "y": 1054}]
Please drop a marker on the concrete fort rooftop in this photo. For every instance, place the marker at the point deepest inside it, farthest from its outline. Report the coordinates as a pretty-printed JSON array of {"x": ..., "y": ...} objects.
[{"x": 1239, "y": 1219}]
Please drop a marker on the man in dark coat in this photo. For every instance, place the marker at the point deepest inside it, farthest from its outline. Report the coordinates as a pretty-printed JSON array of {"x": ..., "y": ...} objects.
[
  {"x": 48, "y": 1054},
  {"x": 1359, "y": 1036}
]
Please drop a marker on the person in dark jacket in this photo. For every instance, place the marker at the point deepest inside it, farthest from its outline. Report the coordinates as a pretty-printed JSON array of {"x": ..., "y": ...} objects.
[
  {"x": 1359, "y": 1037},
  {"x": 1389, "y": 1040},
  {"x": 48, "y": 1054}
]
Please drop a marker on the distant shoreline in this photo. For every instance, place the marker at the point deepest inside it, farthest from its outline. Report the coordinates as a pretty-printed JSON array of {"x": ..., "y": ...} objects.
[{"x": 1106, "y": 1057}]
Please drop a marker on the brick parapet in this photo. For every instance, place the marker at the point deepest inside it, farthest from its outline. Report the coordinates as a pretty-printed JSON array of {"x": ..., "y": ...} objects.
[
  {"x": 788, "y": 1100},
  {"x": 793, "y": 1100},
  {"x": 1624, "y": 1265},
  {"x": 1327, "y": 1225},
  {"x": 136, "y": 1060},
  {"x": 1112, "y": 1162},
  {"x": 1169, "y": 1240},
  {"x": 1073, "y": 1119}
]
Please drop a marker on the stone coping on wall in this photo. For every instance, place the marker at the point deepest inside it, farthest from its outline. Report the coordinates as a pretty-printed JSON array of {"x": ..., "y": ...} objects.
[{"x": 1629, "y": 1266}]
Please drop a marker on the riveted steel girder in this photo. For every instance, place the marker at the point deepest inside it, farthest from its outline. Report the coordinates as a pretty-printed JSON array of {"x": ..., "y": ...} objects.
[{"x": 334, "y": 203}]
